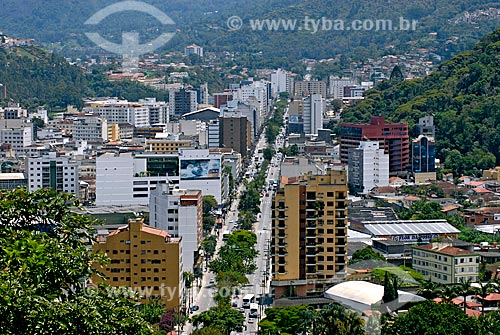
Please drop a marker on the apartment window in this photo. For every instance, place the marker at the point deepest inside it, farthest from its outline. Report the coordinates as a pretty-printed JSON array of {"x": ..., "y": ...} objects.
[
  {"x": 329, "y": 267},
  {"x": 115, "y": 261},
  {"x": 330, "y": 249},
  {"x": 329, "y": 194},
  {"x": 115, "y": 278},
  {"x": 155, "y": 252},
  {"x": 155, "y": 270},
  {"x": 329, "y": 240}
]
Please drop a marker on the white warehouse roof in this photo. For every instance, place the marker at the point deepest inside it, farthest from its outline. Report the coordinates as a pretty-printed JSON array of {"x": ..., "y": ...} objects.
[{"x": 414, "y": 227}]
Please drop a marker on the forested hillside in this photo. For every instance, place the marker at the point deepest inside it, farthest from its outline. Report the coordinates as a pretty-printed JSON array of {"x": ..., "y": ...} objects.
[
  {"x": 35, "y": 77},
  {"x": 61, "y": 23},
  {"x": 464, "y": 97}
]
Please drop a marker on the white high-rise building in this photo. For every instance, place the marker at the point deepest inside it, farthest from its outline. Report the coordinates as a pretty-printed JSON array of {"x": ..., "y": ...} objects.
[
  {"x": 336, "y": 88},
  {"x": 180, "y": 212},
  {"x": 257, "y": 90},
  {"x": 18, "y": 138},
  {"x": 368, "y": 167},
  {"x": 124, "y": 179},
  {"x": 158, "y": 110},
  {"x": 279, "y": 82},
  {"x": 120, "y": 111},
  {"x": 313, "y": 113},
  {"x": 90, "y": 128},
  {"x": 57, "y": 173},
  {"x": 201, "y": 169}
]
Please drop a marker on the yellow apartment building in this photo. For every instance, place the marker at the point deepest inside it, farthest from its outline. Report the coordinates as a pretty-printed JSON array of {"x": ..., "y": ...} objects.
[
  {"x": 146, "y": 259},
  {"x": 309, "y": 233},
  {"x": 167, "y": 145}
]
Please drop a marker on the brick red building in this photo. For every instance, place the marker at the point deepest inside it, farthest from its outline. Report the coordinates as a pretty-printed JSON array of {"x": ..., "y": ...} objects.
[{"x": 393, "y": 138}]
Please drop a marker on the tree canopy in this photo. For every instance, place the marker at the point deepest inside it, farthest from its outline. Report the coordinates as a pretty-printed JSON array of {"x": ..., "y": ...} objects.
[{"x": 45, "y": 261}]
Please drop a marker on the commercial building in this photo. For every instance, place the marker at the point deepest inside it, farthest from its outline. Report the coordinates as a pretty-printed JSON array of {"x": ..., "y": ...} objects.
[
  {"x": 200, "y": 169},
  {"x": 411, "y": 231},
  {"x": 167, "y": 143},
  {"x": 125, "y": 179},
  {"x": 57, "y": 173},
  {"x": 393, "y": 138},
  {"x": 368, "y": 167},
  {"x": 10, "y": 181},
  {"x": 146, "y": 259},
  {"x": 180, "y": 212},
  {"x": 423, "y": 158},
  {"x": 309, "y": 233},
  {"x": 444, "y": 264}
]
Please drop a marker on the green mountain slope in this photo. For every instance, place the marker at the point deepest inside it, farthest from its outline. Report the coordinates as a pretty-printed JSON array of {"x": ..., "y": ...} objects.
[
  {"x": 464, "y": 97},
  {"x": 204, "y": 22},
  {"x": 35, "y": 77}
]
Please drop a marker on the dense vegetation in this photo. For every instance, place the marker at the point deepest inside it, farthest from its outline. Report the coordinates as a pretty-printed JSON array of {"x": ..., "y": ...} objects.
[
  {"x": 300, "y": 319},
  {"x": 61, "y": 23},
  {"x": 464, "y": 97},
  {"x": 35, "y": 77},
  {"x": 44, "y": 260}
]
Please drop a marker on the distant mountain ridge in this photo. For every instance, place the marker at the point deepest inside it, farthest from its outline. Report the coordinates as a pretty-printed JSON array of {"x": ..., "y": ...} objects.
[{"x": 204, "y": 22}]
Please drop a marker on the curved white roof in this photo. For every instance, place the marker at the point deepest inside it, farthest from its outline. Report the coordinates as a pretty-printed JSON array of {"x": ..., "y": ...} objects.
[{"x": 361, "y": 295}]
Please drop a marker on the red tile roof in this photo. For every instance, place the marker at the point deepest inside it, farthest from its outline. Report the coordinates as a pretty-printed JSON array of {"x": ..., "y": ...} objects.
[{"x": 448, "y": 250}]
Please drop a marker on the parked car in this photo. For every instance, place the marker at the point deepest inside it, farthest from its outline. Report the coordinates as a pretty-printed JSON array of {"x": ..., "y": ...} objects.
[{"x": 194, "y": 308}]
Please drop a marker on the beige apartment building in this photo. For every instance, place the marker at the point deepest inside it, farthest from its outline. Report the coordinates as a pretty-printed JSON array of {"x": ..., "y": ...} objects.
[
  {"x": 146, "y": 259},
  {"x": 445, "y": 264},
  {"x": 309, "y": 233}
]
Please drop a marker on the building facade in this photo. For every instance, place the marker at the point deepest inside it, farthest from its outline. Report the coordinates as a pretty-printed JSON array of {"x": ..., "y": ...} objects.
[
  {"x": 182, "y": 101},
  {"x": 393, "y": 138},
  {"x": 444, "y": 264},
  {"x": 313, "y": 113},
  {"x": 146, "y": 259},
  {"x": 92, "y": 129},
  {"x": 235, "y": 132},
  {"x": 57, "y": 173},
  {"x": 368, "y": 167},
  {"x": 125, "y": 179},
  {"x": 309, "y": 233},
  {"x": 180, "y": 212},
  {"x": 306, "y": 88}
]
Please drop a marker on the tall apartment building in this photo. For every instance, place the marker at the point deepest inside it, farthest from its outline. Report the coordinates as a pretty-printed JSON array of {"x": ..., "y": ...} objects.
[
  {"x": 213, "y": 134},
  {"x": 18, "y": 138},
  {"x": 445, "y": 264},
  {"x": 309, "y": 233},
  {"x": 57, "y": 173},
  {"x": 423, "y": 158},
  {"x": 257, "y": 90},
  {"x": 282, "y": 81},
  {"x": 337, "y": 85},
  {"x": 182, "y": 101},
  {"x": 119, "y": 111},
  {"x": 146, "y": 259},
  {"x": 235, "y": 132},
  {"x": 125, "y": 179},
  {"x": 305, "y": 88},
  {"x": 313, "y": 113},
  {"x": 90, "y": 128},
  {"x": 393, "y": 138},
  {"x": 180, "y": 212},
  {"x": 193, "y": 49},
  {"x": 158, "y": 110},
  {"x": 368, "y": 167},
  {"x": 249, "y": 109}
]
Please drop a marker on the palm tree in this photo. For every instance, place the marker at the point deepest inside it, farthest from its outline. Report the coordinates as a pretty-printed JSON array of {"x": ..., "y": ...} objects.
[
  {"x": 465, "y": 288},
  {"x": 483, "y": 291},
  {"x": 335, "y": 319},
  {"x": 428, "y": 289},
  {"x": 447, "y": 293}
]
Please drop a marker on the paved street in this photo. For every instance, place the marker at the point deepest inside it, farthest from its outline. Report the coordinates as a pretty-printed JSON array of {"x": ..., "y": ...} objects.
[{"x": 258, "y": 284}]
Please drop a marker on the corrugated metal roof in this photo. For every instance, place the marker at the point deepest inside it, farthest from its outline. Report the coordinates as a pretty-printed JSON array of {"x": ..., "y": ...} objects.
[{"x": 412, "y": 227}]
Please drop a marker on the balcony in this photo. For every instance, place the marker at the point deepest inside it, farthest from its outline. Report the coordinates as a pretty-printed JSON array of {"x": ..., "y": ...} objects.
[
  {"x": 311, "y": 217},
  {"x": 282, "y": 217},
  {"x": 311, "y": 236},
  {"x": 311, "y": 245},
  {"x": 311, "y": 226}
]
